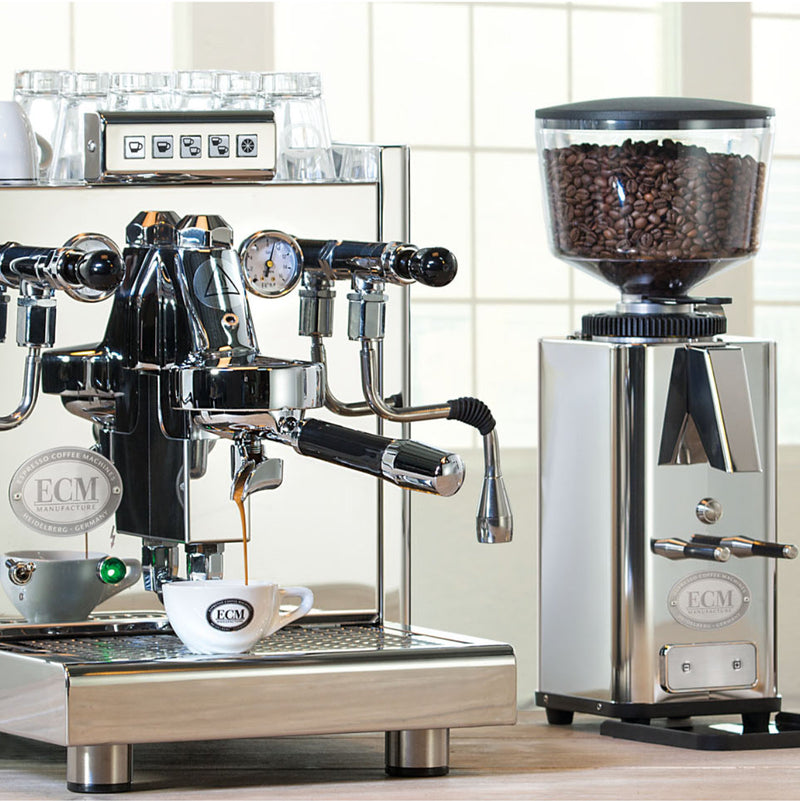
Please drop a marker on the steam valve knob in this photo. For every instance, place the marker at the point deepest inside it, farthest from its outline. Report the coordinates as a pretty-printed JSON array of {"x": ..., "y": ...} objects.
[
  {"x": 100, "y": 270},
  {"x": 434, "y": 267}
]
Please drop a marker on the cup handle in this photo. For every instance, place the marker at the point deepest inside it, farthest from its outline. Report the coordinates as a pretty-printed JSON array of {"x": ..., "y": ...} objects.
[
  {"x": 46, "y": 154},
  {"x": 306, "y": 602},
  {"x": 132, "y": 575}
]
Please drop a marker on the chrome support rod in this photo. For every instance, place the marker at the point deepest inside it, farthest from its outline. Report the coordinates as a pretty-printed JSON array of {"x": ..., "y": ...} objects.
[{"x": 30, "y": 391}]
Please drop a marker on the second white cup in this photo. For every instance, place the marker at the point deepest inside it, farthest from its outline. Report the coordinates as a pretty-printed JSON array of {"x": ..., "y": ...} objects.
[{"x": 229, "y": 617}]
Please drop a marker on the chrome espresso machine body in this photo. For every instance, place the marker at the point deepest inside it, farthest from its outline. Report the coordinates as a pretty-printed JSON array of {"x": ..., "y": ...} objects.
[
  {"x": 657, "y": 430},
  {"x": 177, "y": 375}
]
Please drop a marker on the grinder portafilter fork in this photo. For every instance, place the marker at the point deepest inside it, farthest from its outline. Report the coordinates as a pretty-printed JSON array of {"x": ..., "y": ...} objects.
[
  {"x": 369, "y": 266},
  {"x": 88, "y": 268}
]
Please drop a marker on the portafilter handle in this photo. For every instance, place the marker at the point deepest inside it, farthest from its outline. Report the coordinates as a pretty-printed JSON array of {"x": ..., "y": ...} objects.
[{"x": 404, "y": 462}]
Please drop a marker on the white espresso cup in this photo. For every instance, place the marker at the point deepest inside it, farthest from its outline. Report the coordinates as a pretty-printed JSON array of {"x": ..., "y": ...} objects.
[
  {"x": 63, "y": 586},
  {"x": 229, "y": 617},
  {"x": 21, "y": 151}
]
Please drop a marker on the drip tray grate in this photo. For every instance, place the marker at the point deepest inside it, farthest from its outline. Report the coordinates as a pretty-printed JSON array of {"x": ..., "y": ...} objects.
[{"x": 297, "y": 640}]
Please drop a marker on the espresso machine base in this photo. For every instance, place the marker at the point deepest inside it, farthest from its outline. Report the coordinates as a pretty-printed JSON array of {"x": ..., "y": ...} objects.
[{"x": 83, "y": 688}]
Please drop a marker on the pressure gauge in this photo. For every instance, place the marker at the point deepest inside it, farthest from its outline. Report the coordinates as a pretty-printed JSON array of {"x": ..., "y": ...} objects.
[{"x": 272, "y": 262}]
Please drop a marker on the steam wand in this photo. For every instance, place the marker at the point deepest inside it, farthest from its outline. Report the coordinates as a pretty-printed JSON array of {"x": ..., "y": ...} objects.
[
  {"x": 369, "y": 267},
  {"x": 87, "y": 268}
]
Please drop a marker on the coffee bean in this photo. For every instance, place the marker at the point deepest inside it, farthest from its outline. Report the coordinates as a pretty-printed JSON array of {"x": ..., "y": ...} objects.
[{"x": 653, "y": 216}]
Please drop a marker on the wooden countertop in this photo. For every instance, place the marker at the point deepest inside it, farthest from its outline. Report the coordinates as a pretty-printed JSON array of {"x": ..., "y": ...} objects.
[{"x": 527, "y": 761}]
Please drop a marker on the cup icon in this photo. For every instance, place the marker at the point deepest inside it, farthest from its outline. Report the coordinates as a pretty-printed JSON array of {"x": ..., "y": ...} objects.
[
  {"x": 63, "y": 586},
  {"x": 21, "y": 151},
  {"x": 229, "y": 617}
]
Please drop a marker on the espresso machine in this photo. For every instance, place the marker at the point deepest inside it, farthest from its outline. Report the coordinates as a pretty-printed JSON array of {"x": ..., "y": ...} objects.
[
  {"x": 657, "y": 450},
  {"x": 178, "y": 386}
]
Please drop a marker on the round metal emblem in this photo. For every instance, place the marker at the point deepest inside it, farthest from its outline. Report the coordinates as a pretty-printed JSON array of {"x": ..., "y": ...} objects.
[
  {"x": 708, "y": 600},
  {"x": 65, "y": 491}
]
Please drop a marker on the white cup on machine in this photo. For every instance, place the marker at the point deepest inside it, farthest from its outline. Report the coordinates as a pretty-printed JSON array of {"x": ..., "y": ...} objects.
[
  {"x": 63, "y": 586},
  {"x": 229, "y": 617},
  {"x": 22, "y": 153}
]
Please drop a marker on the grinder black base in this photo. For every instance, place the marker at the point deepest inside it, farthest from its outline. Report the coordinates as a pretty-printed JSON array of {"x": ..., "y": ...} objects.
[{"x": 671, "y": 724}]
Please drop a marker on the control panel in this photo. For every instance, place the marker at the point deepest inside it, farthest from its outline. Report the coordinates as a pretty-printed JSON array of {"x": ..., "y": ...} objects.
[
  {"x": 223, "y": 145},
  {"x": 708, "y": 666}
]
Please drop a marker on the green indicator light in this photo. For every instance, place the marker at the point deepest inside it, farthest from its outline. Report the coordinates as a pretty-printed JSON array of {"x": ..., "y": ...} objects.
[{"x": 111, "y": 570}]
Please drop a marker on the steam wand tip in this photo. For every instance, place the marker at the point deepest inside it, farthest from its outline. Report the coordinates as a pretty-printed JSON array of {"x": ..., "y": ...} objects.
[{"x": 494, "y": 521}]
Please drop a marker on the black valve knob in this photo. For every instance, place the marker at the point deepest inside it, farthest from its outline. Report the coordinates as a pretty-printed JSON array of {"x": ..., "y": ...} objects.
[{"x": 434, "y": 267}]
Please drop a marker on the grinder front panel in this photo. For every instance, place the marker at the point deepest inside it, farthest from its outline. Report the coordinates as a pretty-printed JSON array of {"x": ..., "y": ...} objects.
[{"x": 651, "y": 453}]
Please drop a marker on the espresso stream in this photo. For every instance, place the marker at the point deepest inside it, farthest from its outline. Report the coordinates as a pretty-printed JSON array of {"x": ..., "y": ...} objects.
[{"x": 239, "y": 501}]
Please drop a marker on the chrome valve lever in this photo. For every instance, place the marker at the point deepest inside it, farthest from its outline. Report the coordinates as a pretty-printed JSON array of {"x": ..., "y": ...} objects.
[
  {"x": 395, "y": 262},
  {"x": 89, "y": 267},
  {"x": 746, "y": 546},
  {"x": 674, "y": 548}
]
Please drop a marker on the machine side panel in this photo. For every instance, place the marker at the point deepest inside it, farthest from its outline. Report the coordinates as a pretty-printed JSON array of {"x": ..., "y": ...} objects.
[
  {"x": 33, "y": 698},
  {"x": 577, "y": 514},
  {"x": 315, "y": 697}
]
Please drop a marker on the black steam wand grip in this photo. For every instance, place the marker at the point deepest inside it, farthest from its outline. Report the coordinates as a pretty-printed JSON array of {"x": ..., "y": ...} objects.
[{"x": 406, "y": 463}]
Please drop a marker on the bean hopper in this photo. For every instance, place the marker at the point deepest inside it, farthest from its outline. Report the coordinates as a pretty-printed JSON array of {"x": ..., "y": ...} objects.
[
  {"x": 180, "y": 398},
  {"x": 657, "y": 429}
]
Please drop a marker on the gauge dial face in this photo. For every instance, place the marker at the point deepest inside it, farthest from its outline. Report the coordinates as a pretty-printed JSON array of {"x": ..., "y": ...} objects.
[{"x": 272, "y": 262}]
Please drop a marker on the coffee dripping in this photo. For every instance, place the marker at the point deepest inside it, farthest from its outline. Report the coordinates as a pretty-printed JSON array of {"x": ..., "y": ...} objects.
[
  {"x": 658, "y": 430},
  {"x": 177, "y": 375}
]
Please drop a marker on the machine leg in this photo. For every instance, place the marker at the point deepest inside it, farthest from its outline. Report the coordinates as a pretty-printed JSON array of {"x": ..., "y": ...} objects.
[
  {"x": 559, "y": 717},
  {"x": 418, "y": 752},
  {"x": 755, "y": 722},
  {"x": 99, "y": 768}
]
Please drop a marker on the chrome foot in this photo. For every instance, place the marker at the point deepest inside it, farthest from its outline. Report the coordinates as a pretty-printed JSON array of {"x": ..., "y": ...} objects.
[
  {"x": 99, "y": 768},
  {"x": 418, "y": 752}
]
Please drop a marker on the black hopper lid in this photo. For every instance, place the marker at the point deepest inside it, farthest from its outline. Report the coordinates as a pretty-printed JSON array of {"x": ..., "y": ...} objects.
[{"x": 654, "y": 113}]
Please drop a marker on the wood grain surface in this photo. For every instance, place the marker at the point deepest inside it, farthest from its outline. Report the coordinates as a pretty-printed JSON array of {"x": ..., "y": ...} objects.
[{"x": 528, "y": 761}]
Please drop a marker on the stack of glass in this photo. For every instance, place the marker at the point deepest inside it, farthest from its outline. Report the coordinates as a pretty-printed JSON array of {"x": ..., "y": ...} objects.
[{"x": 55, "y": 102}]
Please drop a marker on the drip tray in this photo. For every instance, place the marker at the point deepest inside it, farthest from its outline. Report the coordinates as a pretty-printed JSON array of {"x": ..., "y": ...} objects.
[
  {"x": 127, "y": 678},
  {"x": 288, "y": 642}
]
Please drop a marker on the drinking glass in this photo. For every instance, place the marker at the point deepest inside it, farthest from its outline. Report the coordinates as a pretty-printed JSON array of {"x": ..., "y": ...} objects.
[
  {"x": 140, "y": 91},
  {"x": 239, "y": 90},
  {"x": 356, "y": 163},
  {"x": 81, "y": 93},
  {"x": 304, "y": 139},
  {"x": 194, "y": 90},
  {"x": 38, "y": 93}
]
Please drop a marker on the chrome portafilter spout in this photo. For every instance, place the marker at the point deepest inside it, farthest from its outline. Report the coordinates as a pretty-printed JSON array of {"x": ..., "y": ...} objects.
[{"x": 253, "y": 471}]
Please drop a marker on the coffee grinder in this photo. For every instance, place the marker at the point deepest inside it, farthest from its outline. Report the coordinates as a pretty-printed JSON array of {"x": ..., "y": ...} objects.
[{"x": 657, "y": 445}]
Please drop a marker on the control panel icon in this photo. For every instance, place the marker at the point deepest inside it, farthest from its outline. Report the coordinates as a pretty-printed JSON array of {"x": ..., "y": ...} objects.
[
  {"x": 219, "y": 146},
  {"x": 191, "y": 147},
  {"x": 246, "y": 145},
  {"x": 163, "y": 147},
  {"x": 134, "y": 147}
]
